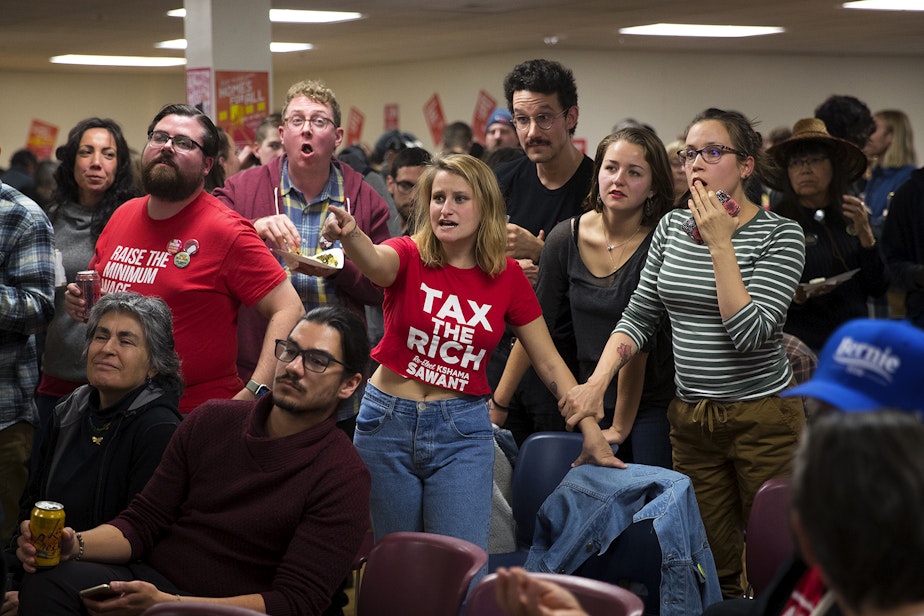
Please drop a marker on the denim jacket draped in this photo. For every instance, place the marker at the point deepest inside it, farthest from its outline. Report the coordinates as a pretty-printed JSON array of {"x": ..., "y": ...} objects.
[{"x": 593, "y": 505}]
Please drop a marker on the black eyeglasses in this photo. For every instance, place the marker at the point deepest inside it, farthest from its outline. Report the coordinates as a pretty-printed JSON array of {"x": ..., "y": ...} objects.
[
  {"x": 312, "y": 360},
  {"x": 542, "y": 120},
  {"x": 180, "y": 142},
  {"x": 711, "y": 153},
  {"x": 318, "y": 122}
]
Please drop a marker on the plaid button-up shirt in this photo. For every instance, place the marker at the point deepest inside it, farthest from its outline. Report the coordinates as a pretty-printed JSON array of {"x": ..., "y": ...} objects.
[{"x": 27, "y": 277}]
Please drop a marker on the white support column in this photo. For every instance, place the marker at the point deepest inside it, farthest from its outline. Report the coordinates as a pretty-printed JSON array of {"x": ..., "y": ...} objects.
[{"x": 230, "y": 36}]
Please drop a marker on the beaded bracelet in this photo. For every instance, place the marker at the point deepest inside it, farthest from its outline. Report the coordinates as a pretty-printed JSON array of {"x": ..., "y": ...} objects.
[{"x": 80, "y": 546}]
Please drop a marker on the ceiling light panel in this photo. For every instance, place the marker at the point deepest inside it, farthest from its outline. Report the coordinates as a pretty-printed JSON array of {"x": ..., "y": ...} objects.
[{"x": 700, "y": 30}]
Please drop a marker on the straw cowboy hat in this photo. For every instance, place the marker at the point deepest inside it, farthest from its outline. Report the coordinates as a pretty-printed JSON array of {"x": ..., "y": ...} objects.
[{"x": 813, "y": 130}]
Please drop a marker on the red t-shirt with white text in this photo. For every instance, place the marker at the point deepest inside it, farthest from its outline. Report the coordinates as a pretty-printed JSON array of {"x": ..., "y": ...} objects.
[
  {"x": 443, "y": 323},
  {"x": 229, "y": 266}
]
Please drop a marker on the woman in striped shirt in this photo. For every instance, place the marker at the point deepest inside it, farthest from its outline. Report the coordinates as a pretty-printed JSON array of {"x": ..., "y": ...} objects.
[{"x": 726, "y": 293}]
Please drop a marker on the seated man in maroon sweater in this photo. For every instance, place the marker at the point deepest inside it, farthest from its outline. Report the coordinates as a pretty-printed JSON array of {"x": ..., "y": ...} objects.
[{"x": 258, "y": 504}]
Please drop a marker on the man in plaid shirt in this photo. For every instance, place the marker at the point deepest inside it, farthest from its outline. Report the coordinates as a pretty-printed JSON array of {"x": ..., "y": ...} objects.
[{"x": 27, "y": 276}]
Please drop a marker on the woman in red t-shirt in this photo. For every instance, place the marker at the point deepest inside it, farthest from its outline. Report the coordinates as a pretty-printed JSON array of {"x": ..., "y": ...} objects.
[{"x": 423, "y": 427}]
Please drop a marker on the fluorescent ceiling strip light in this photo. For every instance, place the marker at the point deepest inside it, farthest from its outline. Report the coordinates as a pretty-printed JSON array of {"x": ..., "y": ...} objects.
[
  {"x": 700, "y": 30},
  {"x": 171, "y": 44},
  {"x": 145, "y": 61},
  {"x": 290, "y": 16},
  {"x": 274, "y": 47},
  {"x": 886, "y": 5},
  {"x": 288, "y": 47}
]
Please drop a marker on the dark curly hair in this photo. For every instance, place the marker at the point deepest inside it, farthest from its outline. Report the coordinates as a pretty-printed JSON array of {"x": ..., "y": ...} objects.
[
  {"x": 544, "y": 77},
  {"x": 847, "y": 117},
  {"x": 122, "y": 189}
]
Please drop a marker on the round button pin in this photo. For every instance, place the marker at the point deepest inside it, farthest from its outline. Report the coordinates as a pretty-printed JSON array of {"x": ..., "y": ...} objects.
[
  {"x": 181, "y": 259},
  {"x": 174, "y": 246},
  {"x": 191, "y": 247}
]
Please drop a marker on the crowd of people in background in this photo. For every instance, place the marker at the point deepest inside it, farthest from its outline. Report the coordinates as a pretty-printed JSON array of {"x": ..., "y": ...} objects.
[{"x": 661, "y": 298}]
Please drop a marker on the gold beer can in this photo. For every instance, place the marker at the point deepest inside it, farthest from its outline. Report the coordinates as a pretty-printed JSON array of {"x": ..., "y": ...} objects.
[{"x": 46, "y": 526}]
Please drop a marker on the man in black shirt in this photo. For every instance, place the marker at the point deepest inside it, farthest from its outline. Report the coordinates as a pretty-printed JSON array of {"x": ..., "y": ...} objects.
[{"x": 541, "y": 189}]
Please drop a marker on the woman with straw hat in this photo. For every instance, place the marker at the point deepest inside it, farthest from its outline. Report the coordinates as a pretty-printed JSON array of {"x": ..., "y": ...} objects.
[{"x": 843, "y": 265}]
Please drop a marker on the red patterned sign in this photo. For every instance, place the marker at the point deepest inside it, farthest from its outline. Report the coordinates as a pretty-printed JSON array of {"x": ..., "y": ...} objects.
[
  {"x": 433, "y": 113},
  {"x": 241, "y": 103},
  {"x": 391, "y": 116},
  {"x": 42, "y": 138},
  {"x": 483, "y": 108},
  {"x": 355, "y": 121}
]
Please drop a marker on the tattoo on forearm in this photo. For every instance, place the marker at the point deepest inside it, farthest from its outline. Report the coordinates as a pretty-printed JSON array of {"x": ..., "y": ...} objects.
[
  {"x": 553, "y": 387},
  {"x": 625, "y": 354}
]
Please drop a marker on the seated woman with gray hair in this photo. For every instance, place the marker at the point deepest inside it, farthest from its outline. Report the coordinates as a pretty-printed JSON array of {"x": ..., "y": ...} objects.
[{"x": 108, "y": 436}]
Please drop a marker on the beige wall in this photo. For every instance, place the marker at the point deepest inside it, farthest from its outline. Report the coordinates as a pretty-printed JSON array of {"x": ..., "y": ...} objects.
[
  {"x": 66, "y": 97},
  {"x": 665, "y": 90}
]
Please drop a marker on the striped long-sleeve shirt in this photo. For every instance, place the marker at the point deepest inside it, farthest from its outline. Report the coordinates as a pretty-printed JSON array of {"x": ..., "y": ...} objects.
[{"x": 740, "y": 358}]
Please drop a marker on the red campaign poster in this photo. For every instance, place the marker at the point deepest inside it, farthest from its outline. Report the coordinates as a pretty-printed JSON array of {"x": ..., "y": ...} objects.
[
  {"x": 355, "y": 121},
  {"x": 199, "y": 89},
  {"x": 41, "y": 139},
  {"x": 483, "y": 108},
  {"x": 580, "y": 144},
  {"x": 433, "y": 113},
  {"x": 391, "y": 116},
  {"x": 241, "y": 103}
]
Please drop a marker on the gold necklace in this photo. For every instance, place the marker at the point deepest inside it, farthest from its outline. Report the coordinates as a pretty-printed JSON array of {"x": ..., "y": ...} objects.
[
  {"x": 610, "y": 247},
  {"x": 97, "y": 438}
]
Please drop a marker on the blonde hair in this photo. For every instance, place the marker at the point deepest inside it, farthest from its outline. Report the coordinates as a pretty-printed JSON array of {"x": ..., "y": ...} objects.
[
  {"x": 316, "y": 91},
  {"x": 673, "y": 147},
  {"x": 900, "y": 152},
  {"x": 491, "y": 236}
]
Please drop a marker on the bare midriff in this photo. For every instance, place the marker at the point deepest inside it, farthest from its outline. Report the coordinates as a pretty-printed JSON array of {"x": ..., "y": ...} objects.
[{"x": 393, "y": 384}]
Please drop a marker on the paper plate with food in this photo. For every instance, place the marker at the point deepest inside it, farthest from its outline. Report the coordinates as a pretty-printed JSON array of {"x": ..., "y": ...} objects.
[{"x": 328, "y": 259}]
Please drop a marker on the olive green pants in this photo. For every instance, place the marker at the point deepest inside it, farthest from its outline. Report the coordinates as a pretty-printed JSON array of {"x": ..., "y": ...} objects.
[
  {"x": 15, "y": 448},
  {"x": 728, "y": 450}
]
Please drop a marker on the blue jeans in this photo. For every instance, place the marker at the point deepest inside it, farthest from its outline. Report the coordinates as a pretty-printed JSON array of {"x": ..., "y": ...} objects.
[
  {"x": 649, "y": 442},
  {"x": 432, "y": 464}
]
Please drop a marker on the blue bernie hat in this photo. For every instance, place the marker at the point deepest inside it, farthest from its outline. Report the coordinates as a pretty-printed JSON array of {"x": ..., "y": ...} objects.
[
  {"x": 869, "y": 364},
  {"x": 500, "y": 116}
]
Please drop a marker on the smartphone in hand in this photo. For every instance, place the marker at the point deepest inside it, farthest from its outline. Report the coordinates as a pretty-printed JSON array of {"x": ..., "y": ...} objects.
[
  {"x": 100, "y": 592},
  {"x": 731, "y": 206}
]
